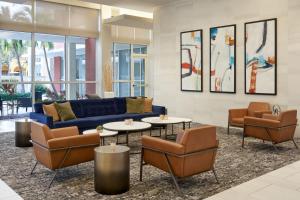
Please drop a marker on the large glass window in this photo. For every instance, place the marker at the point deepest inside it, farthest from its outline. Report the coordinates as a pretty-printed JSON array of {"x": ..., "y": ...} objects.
[{"x": 64, "y": 68}]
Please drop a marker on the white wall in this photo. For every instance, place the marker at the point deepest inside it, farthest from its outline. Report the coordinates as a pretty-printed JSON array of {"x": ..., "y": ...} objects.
[{"x": 212, "y": 108}]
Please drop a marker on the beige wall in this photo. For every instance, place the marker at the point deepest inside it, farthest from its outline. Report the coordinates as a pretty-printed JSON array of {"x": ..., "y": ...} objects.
[{"x": 185, "y": 15}]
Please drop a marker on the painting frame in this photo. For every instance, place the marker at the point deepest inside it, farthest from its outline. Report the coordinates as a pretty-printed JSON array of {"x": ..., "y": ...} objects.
[
  {"x": 275, "y": 57},
  {"x": 210, "y": 58},
  {"x": 201, "y": 62}
]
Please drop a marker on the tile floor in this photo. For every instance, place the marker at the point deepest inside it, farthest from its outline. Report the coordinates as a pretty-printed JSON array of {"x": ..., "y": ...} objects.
[
  {"x": 7, "y": 126},
  {"x": 281, "y": 184},
  {"x": 6, "y": 193}
]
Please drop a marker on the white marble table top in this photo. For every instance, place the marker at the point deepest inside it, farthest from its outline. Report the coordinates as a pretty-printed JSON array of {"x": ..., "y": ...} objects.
[
  {"x": 121, "y": 126},
  {"x": 170, "y": 120},
  {"x": 104, "y": 133}
]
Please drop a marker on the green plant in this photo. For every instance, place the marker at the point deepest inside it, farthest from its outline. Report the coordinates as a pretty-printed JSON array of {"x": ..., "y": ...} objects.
[{"x": 41, "y": 88}]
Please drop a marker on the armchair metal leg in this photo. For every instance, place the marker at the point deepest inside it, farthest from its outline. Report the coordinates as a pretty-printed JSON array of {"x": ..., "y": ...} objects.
[
  {"x": 214, "y": 171},
  {"x": 141, "y": 164},
  {"x": 173, "y": 176},
  {"x": 34, "y": 167},
  {"x": 243, "y": 141},
  {"x": 60, "y": 165},
  {"x": 228, "y": 129},
  {"x": 295, "y": 143},
  {"x": 56, "y": 171}
]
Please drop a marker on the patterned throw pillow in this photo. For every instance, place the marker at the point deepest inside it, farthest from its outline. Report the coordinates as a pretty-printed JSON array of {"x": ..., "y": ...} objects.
[
  {"x": 50, "y": 110},
  {"x": 65, "y": 111},
  {"x": 135, "y": 105}
]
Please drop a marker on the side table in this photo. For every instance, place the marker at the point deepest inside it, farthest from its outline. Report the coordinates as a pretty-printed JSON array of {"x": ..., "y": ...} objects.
[
  {"x": 111, "y": 169},
  {"x": 22, "y": 133}
]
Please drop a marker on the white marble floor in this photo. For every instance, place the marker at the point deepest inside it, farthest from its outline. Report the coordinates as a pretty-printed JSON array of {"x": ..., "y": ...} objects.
[
  {"x": 280, "y": 184},
  {"x": 7, "y": 126},
  {"x": 6, "y": 193}
]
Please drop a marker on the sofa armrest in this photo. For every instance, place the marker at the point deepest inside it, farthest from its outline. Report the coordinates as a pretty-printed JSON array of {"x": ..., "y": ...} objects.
[
  {"x": 159, "y": 109},
  {"x": 237, "y": 113},
  {"x": 44, "y": 119},
  {"x": 260, "y": 114},
  {"x": 261, "y": 122},
  {"x": 76, "y": 141},
  {"x": 64, "y": 132},
  {"x": 162, "y": 145}
]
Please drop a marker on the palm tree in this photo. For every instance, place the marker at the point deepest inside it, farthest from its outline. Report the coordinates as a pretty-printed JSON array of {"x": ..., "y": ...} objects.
[
  {"x": 19, "y": 47},
  {"x": 49, "y": 46}
]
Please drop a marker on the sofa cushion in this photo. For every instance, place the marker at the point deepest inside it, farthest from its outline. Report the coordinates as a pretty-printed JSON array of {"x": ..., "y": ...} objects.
[{"x": 93, "y": 122}]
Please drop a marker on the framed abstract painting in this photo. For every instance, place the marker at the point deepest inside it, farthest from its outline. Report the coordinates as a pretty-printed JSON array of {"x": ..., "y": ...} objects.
[
  {"x": 261, "y": 57},
  {"x": 191, "y": 59},
  {"x": 223, "y": 59}
]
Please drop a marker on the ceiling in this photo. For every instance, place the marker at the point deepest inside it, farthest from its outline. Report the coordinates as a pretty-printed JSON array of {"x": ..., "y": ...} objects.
[{"x": 140, "y": 5}]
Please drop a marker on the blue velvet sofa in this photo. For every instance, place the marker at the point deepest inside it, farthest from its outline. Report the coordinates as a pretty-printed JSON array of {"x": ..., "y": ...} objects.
[{"x": 93, "y": 112}]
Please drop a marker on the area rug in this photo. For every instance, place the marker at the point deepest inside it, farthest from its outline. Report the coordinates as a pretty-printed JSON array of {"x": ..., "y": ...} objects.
[{"x": 234, "y": 165}]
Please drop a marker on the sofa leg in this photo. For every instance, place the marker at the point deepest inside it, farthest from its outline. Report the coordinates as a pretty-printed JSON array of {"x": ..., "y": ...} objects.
[
  {"x": 34, "y": 167},
  {"x": 173, "y": 176},
  {"x": 141, "y": 164},
  {"x": 295, "y": 143},
  {"x": 215, "y": 174}
]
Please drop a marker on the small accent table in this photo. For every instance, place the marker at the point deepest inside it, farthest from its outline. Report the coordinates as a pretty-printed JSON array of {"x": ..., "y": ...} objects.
[
  {"x": 103, "y": 134},
  {"x": 121, "y": 126},
  {"x": 22, "y": 133},
  {"x": 111, "y": 169}
]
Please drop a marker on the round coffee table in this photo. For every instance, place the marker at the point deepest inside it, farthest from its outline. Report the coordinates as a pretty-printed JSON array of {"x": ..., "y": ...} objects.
[
  {"x": 170, "y": 120},
  {"x": 185, "y": 120},
  {"x": 121, "y": 126},
  {"x": 111, "y": 168},
  {"x": 103, "y": 134}
]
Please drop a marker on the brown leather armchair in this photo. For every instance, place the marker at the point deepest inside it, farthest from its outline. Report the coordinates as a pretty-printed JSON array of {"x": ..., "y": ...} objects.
[
  {"x": 255, "y": 109},
  {"x": 62, "y": 147},
  {"x": 276, "y": 129},
  {"x": 193, "y": 152}
]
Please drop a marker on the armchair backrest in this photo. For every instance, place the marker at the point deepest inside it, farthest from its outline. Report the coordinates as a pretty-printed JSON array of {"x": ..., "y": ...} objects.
[
  {"x": 199, "y": 138},
  {"x": 40, "y": 133},
  {"x": 288, "y": 117},
  {"x": 257, "y": 106}
]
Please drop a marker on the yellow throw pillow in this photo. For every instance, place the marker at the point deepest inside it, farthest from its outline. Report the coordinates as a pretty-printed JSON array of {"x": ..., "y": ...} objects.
[
  {"x": 65, "y": 111},
  {"x": 148, "y": 104},
  {"x": 50, "y": 110}
]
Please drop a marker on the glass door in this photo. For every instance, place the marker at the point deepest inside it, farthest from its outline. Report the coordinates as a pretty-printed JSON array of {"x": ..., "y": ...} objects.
[
  {"x": 129, "y": 63},
  {"x": 138, "y": 83}
]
